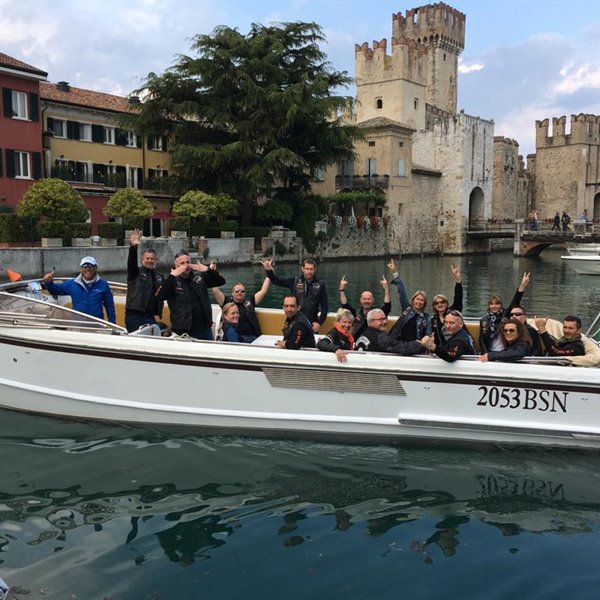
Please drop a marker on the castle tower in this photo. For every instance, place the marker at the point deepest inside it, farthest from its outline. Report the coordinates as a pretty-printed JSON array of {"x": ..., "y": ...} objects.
[
  {"x": 441, "y": 29},
  {"x": 421, "y": 69}
]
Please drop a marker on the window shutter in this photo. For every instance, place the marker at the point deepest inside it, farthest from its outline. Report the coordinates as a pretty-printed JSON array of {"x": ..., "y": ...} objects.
[
  {"x": 164, "y": 142},
  {"x": 150, "y": 173},
  {"x": 50, "y": 124},
  {"x": 34, "y": 107},
  {"x": 73, "y": 130},
  {"x": 1, "y": 172},
  {"x": 99, "y": 172},
  {"x": 36, "y": 165},
  {"x": 97, "y": 134},
  {"x": 10, "y": 163},
  {"x": 7, "y": 102},
  {"x": 140, "y": 180},
  {"x": 138, "y": 141},
  {"x": 149, "y": 142},
  {"x": 120, "y": 137}
]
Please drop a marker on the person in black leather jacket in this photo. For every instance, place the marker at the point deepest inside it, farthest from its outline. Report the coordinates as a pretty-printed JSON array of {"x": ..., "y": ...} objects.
[
  {"x": 454, "y": 341},
  {"x": 375, "y": 338},
  {"x": 297, "y": 330},
  {"x": 340, "y": 338},
  {"x": 516, "y": 343}
]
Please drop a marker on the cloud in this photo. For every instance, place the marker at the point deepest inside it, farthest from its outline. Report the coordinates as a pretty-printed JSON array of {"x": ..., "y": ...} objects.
[
  {"x": 464, "y": 68},
  {"x": 576, "y": 77}
]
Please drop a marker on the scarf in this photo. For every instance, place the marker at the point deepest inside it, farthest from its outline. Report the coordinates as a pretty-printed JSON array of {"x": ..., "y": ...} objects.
[
  {"x": 494, "y": 320},
  {"x": 348, "y": 335}
]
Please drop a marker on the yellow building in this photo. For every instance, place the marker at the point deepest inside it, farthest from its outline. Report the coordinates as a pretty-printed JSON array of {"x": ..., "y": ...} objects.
[{"x": 84, "y": 145}]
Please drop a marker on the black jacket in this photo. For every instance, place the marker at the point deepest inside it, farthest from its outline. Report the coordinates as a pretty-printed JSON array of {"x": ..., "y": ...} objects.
[
  {"x": 437, "y": 323},
  {"x": 188, "y": 299},
  {"x": 298, "y": 333},
  {"x": 458, "y": 345},
  {"x": 142, "y": 285},
  {"x": 485, "y": 332},
  {"x": 512, "y": 353},
  {"x": 373, "y": 340},
  {"x": 562, "y": 348},
  {"x": 248, "y": 324},
  {"x": 312, "y": 295},
  {"x": 334, "y": 340},
  {"x": 360, "y": 317}
]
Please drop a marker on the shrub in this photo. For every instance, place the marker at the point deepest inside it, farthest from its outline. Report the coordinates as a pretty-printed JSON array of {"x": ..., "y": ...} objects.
[
  {"x": 131, "y": 206},
  {"x": 229, "y": 226},
  {"x": 17, "y": 229},
  {"x": 80, "y": 230},
  {"x": 52, "y": 199},
  {"x": 110, "y": 230},
  {"x": 179, "y": 223},
  {"x": 200, "y": 205},
  {"x": 52, "y": 229},
  {"x": 280, "y": 249}
]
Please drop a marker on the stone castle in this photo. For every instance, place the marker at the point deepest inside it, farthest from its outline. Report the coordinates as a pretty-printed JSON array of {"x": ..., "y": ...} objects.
[{"x": 443, "y": 172}]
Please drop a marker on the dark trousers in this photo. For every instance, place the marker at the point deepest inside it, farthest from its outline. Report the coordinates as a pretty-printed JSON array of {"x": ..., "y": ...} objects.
[{"x": 133, "y": 321}]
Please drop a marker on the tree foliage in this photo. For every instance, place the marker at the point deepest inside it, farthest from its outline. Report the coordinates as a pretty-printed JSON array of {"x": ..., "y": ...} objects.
[
  {"x": 200, "y": 205},
  {"x": 275, "y": 211},
  {"x": 130, "y": 205},
  {"x": 53, "y": 200},
  {"x": 251, "y": 110}
]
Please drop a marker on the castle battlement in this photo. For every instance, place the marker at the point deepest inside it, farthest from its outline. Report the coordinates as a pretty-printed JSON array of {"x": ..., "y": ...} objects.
[
  {"x": 374, "y": 64},
  {"x": 438, "y": 25},
  {"x": 500, "y": 139},
  {"x": 585, "y": 129}
]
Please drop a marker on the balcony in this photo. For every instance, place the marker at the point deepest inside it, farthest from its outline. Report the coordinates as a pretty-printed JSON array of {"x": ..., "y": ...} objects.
[{"x": 361, "y": 182}]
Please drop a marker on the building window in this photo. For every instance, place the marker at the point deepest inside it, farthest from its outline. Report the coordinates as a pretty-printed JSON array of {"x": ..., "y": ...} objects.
[
  {"x": 371, "y": 166},
  {"x": 22, "y": 170},
  {"x": 379, "y": 103},
  {"x": 59, "y": 128},
  {"x": 109, "y": 135},
  {"x": 132, "y": 177},
  {"x": 320, "y": 174},
  {"x": 401, "y": 168},
  {"x": 131, "y": 139},
  {"x": 85, "y": 132},
  {"x": 371, "y": 144},
  {"x": 416, "y": 103},
  {"x": 155, "y": 142},
  {"x": 19, "y": 105}
]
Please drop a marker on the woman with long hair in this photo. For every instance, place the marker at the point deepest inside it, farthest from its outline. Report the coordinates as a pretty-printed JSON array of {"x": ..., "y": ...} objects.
[
  {"x": 230, "y": 318},
  {"x": 516, "y": 342},
  {"x": 441, "y": 306}
]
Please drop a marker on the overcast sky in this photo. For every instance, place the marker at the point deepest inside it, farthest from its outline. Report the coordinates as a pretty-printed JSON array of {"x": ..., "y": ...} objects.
[{"x": 523, "y": 59}]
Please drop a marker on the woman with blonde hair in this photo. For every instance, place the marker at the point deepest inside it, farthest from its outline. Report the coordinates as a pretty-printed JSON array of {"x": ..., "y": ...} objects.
[
  {"x": 339, "y": 339},
  {"x": 230, "y": 318}
]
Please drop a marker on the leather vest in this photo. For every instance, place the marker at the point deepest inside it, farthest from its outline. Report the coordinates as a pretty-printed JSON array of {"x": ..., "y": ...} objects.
[
  {"x": 248, "y": 324},
  {"x": 141, "y": 293},
  {"x": 309, "y": 296}
]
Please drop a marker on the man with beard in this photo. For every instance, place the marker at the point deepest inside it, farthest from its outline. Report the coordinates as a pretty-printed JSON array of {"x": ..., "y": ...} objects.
[
  {"x": 570, "y": 344},
  {"x": 308, "y": 289},
  {"x": 366, "y": 302},
  {"x": 456, "y": 341},
  {"x": 297, "y": 330},
  {"x": 375, "y": 338},
  {"x": 186, "y": 291}
]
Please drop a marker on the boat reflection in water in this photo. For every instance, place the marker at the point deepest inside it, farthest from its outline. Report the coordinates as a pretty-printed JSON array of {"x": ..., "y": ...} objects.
[{"x": 86, "y": 508}]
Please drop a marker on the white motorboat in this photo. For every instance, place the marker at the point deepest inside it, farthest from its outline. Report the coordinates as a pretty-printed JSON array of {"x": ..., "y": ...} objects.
[
  {"x": 584, "y": 264},
  {"x": 59, "y": 362},
  {"x": 584, "y": 249}
]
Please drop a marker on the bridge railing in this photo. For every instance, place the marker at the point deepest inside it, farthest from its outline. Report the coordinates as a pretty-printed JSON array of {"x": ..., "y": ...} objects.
[{"x": 540, "y": 227}]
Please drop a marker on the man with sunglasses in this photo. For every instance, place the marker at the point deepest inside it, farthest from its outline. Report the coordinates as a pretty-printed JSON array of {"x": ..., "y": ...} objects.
[
  {"x": 455, "y": 342},
  {"x": 519, "y": 313},
  {"x": 248, "y": 327},
  {"x": 89, "y": 293}
]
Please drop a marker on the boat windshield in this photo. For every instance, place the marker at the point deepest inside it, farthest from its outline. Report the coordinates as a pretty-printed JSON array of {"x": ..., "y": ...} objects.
[{"x": 28, "y": 307}]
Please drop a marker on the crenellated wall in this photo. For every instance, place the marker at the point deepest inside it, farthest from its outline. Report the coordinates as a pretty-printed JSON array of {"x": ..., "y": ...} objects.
[
  {"x": 510, "y": 194},
  {"x": 566, "y": 166}
]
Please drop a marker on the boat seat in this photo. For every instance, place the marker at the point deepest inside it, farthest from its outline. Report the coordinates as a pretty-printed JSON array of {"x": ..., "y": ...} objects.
[{"x": 149, "y": 330}]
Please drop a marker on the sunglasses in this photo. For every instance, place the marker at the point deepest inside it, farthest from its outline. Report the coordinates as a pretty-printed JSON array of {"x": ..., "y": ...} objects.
[
  {"x": 438, "y": 302},
  {"x": 520, "y": 314},
  {"x": 88, "y": 266},
  {"x": 239, "y": 291},
  {"x": 510, "y": 330}
]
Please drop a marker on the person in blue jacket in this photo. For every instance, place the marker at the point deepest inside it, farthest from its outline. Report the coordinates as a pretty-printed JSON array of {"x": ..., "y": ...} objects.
[{"x": 89, "y": 293}]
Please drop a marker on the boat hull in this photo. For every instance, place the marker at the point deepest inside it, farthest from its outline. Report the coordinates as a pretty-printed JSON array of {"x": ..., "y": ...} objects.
[
  {"x": 271, "y": 391},
  {"x": 584, "y": 264}
]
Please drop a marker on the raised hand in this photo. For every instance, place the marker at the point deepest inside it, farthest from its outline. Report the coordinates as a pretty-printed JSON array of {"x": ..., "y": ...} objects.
[
  {"x": 455, "y": 273},
  {"x": 392, "y": 266},
  {"x": 136, "y": 237},
  {"x": 343, "y": 283},
  {"x": 267, "y": 264},
  {"x": 384, "y": 283}
]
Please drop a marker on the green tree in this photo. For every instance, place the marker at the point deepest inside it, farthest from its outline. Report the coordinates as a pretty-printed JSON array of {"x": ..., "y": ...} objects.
[
  {"x": 275, "y": 211},
  {"x": 251, "y": 111},
  {"x": 200, "y": 205},
  {"x": 53, "y": 200},
  {"x": 131, "y": 206}
]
